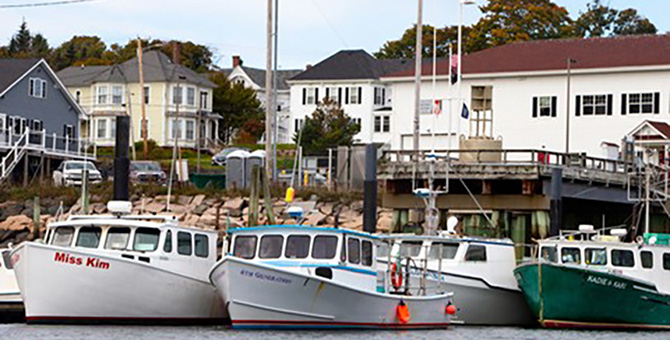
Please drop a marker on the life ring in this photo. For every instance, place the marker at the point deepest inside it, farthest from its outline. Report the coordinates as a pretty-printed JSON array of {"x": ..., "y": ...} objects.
[{"x": 396, "y": 276}]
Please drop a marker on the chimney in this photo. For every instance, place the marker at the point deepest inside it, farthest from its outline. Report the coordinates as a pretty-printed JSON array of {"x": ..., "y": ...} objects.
[
  {"x": 308, "y": 67},
  {"x": 237, "y": 61}
]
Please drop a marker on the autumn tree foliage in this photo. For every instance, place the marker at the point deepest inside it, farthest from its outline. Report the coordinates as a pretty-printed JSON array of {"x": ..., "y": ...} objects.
[{"x": 600, "y": 20}]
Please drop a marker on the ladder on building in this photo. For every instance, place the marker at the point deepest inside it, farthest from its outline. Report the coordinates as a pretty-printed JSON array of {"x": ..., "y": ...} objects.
[{"x": 14, "y": 155}]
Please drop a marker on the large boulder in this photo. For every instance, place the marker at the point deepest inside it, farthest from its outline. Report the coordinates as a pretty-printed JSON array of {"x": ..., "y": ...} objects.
[
  {"x": 234, "y": 206},
  {"x": 155, "y": 207},
  {"x": 197, "y": 200},
  {"x": 385, "y": 222},
  {"x": 16, "y": 222},
  {"x": 314, "y": 218}
]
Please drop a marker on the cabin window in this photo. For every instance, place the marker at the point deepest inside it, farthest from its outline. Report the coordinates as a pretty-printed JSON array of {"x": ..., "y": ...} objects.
[
  {"x": 89, "y": 237},
  {"x": 245, "y": 247},
  {"x": 354, "y": 247},
  {"x": 117, "y": 238},
  {"x": 297, "y": 247},
  {"x": 647, "y": 259},
  {"x": 201, "y": 245},
  {"x": 366, "y": 253},
  {"x": 7, "y": 259},
  {"x": 445, "y": 251},
  {"x": 167, "y": 245},
  {"x": 271, "y": 246},
  {"x": 595, "y": 256},
  {"x": 63, "y": 236},
  {"x": 383, "y": 249},
  {"x": 475, "y": 253},
  {"x": 666, "y": 261},
  {"x": 622, "y": 258},
  {"x": 410, "y": 248},
  {"x": 325, "y": 247},
  {"x": 146, "y": 239},
  {"x": 184, "y": 246},
  {"x": 549, "y": 254},
  {"x": 571, "y": 255}
]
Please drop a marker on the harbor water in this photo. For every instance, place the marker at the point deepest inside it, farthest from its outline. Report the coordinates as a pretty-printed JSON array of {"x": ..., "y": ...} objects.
[{"x": 42, "y": 332}]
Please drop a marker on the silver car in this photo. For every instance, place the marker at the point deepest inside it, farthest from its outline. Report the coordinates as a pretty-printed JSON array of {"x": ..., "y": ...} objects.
[{"x": 71, "y": 173}]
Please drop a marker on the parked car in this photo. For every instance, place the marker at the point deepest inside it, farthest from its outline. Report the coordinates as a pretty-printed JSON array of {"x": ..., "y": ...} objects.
[
  {"x": 220, "y": 158},
  {"x": 71, "y": 173},
  {"x": 147, "y": 172}
]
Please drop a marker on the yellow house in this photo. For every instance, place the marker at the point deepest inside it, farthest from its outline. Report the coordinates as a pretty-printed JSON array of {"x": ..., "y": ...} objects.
[{"x": 171, "y": 90}]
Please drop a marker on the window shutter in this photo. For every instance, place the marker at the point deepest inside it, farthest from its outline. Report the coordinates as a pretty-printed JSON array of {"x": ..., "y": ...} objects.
[
  {"x": 553, "y": 106},
  {"x": 304, "y": 96},
  {"x": 657, "y": 102},
  {"x": 383, "y": 96},
  {"x": 360, "y": 95},
  {"x": 346, "y": 96},
  {"x": 534, "y": 107},
  {"x": 578, "y": 106},
  {"x": 376, "y": 93},
  {"x": 327, "y": 92},
  {"x": 624, "y": 104},
  {"x": 339, "y": 95},
  {"x": 609, "y": 104},
  {"x": 316, "y": 96}
]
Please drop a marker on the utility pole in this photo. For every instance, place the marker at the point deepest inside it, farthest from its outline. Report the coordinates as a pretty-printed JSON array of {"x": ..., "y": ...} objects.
[
  {"x": 275, "y": 119},
  {"x": 143, "y": 124},
  {"x": 417, "y": 78},
  {"x": 268, "y": 92},
  {"x": 180, "y": 97}
]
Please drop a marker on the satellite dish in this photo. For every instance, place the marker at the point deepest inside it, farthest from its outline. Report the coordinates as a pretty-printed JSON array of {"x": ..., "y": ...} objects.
[{"x": 452, "y": 222}]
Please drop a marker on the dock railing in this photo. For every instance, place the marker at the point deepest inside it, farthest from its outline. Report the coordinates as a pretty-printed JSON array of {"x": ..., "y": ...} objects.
[{"x": 50, "y": 143}]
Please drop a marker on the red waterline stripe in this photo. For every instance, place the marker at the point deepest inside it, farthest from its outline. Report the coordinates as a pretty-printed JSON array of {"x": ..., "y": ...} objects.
[{"x": 307, "y": 323}]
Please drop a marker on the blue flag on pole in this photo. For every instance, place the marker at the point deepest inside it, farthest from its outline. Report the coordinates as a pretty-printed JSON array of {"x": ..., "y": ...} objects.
[{"x": 465, "y": 113}]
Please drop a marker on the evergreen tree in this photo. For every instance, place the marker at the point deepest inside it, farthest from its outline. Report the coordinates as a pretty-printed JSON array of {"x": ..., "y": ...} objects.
[{"x": 21, "y": 42}]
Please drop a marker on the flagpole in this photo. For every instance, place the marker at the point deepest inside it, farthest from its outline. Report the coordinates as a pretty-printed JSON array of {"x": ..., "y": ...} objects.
[
  {"x": 435, "y": 108},
  {"x": 451, "y": 98}
]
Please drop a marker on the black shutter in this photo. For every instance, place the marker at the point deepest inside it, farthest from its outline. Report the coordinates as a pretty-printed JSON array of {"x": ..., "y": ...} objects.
[
  {"x": 327, "y": 92},
  {"x": 657, "y": 102},
  {"x": 360, "y": 95},
  {"x": 624, "y": 105},
  {"x": 534, "y": 107},
  {"x": 383, "y": 96},
  {"x": 346, "y": 96},
  {"x": 376, "y": 93},
  {"x": 609, "y": 104},
  {"x": 316, "y": 96},
  {"x": 304, "y": 96},
  {"x": 578, "y": 106},
  {"x": 339, "y": 95},
  {"x": 554, "y": 106}
]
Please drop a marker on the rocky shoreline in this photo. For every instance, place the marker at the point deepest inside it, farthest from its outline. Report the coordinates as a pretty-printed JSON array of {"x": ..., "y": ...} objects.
[{"x": 16, "y": 218}]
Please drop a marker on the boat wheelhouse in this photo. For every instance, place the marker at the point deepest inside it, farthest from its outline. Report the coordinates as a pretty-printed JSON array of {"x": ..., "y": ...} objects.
[
  {"x": 478, "y": 271},
  {"x": 119, "y": 269},
  {"x": 593, "y": 280},
  {"x": 294, "y": 276}
]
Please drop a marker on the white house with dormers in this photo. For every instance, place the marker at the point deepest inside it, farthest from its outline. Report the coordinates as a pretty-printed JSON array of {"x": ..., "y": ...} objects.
[
  {"x": 105, "y": 92},
  {"x": 254, "y": 78},
  {"x": 616, "y": 84},
  {"x": 351, "y": 78}
]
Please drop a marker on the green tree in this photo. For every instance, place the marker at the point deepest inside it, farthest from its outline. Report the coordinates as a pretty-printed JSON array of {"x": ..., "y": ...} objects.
[
  {"x": 238, "y": 105},
  {"x": 80, "y": 50},
  {"x": 597, "y": 21},
  {"x": 629, "y": 22},
  {"x": 405, "y": 46},
  {"x": 19, "y": 45},
  {"x": 506, "y": 21},
  {"x": 327, "y": 127}
]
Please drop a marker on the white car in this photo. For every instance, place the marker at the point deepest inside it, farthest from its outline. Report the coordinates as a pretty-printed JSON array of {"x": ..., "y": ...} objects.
[{"x": 71, "y": 173}]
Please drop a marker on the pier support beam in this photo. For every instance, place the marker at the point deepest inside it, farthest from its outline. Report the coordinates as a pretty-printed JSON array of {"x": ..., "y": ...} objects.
[
  {"x": 370, "y": 190},
  {"x": 556, "y": 201}
]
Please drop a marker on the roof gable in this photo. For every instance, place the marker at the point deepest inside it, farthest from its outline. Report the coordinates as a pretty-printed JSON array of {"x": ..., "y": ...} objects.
[
  {"x": 257, "y": 76},
  {"x": 351, "y": 64},
  {"x": 11, "y": 70}
]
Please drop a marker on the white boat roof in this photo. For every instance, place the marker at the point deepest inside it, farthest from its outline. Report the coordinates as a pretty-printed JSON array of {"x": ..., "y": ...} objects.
[
  {"x": 298, "y": 227},
  {"x": 448, "y": 238},
  {"x": 149, "y": 221}
]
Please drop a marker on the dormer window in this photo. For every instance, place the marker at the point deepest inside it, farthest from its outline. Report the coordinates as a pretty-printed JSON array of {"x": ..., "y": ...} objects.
[{"x": 37, "y": 88}]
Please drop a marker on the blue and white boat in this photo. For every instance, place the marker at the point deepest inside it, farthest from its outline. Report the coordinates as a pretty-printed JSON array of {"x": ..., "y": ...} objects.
[{"x": 295, "y": 276}]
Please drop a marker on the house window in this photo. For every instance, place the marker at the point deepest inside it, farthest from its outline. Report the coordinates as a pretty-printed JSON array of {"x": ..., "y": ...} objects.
[
  {"x": 382, "y": 123},
  {"x": 357, "y": 121},
  {"x": 380, "y": 95},
  {"x": 3, "y": 122},
  {"x": 117, "y": 95},
  {"x": 203, "y": 99},
  {"x": 355, "y": 95},
  {"x": 68, "y": 131},
  {"x": 147, "y": 94},
  {"x": 177, "y": 95},
  {"x": 378, "y": 124},
  {"x": 190, "y": 129},
  {"x": 144, "y": 127},
  {"x": 594, "y": 105},
  {"x": 544, "y": 106},
  {"x": 298, "y": 124},
  {"x": 641, "y": 103},
  {"x": 77, "y": 96},
  {"x": 37, "y": 88},
  {"x": 190, "y": 96},
  {"x": 112, "y": 127},
  {"x": 37, "y": 125},
  {"x": 101, "y": 95},
  {"x": 333, "y": 93},
  {"x": 102, "y": 128},
  {"x": 173, "y": 127},
  {"x": 309, "y": 96}
]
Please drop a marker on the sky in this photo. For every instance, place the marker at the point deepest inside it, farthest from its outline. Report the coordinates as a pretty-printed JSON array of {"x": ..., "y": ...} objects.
[{"x": 309, "y": 30}]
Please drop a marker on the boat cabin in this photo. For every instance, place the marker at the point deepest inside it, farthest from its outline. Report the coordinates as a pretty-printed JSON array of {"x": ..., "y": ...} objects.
[
  {"x": 341, "y": 255},
  {"x": 153, "y": 240}
]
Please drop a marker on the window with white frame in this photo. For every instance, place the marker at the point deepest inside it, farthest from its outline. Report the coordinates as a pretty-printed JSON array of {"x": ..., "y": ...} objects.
[
  {"x": 177, "y": 95},
  {"x": 641, "y": 103},
  {"x": 310, "y": 98},
  {"x": 380, "y": 96},
  {"x": 190, "y": 96},
  {"x": 357, "y": 121},
  {"x": 297, "y": 125},
  {"x": 355, "y": 94},
  {"x": 117, "y": 94},
  {"x": 333, "y": 93},
  {"x": 594, "y": 105},
  {"x": 143, "y": 127},
  {"x": 203, "y": 99},
  {"x": 68, "y": 131},
  {"x": 382, "y": 124},
  {"x": 147, "y": 94},
  {"x": 37, "y": 87},
  {"x": 112, "y": 127},
  {"x": 190, "y": 130},
  {"x": 101, "y": 94},
  {"x": 544, "y": 106},
  {"x": 36, "y": 125},
  {"x": 3, "y": 122},
  {"x": 101, "y": 129}
]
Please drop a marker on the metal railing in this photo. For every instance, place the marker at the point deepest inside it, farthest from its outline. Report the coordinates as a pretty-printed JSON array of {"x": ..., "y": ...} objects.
[
  {"x": 36, "y": 140},
  {"x": 12, "y": 158}
]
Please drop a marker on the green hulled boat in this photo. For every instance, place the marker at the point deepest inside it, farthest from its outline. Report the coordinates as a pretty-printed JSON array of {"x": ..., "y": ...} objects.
[{"x": 599, "y": 282}]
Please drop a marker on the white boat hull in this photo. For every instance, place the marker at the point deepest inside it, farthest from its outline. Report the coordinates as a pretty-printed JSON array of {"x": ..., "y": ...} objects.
[
  {"x": 107, "y": 289},
  {"x": 11, "y": 304},
  {"x": 262, "y": 296}
]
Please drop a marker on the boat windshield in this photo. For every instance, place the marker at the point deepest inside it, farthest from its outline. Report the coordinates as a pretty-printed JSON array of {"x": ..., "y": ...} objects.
[
  {"x": 146, "y": 239},
  {"x": 595, "y": 256},
  {"x": 410, "y": 248},
  {"x": 117, "y": 238},
  {"x": 571, "y": 255},
  {"x": 63, "y": 236},
  {"x": 271, "y": 246},
  {"x": 89, "y": 237},
  {"x": 325, "y": 247},
  {"x": 245, "y": 246},
  {"x": 549, "y": 254},
  {"x": 443, "y": 250},
  {"x": 297, "y": 247}
]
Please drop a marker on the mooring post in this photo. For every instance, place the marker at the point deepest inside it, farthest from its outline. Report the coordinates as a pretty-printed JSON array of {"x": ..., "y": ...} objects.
[
  {"x": 370, "y": 190},
  {"x": 121, "y": 159},
  {"x": 556, "y": 201},
  {"x": 37, "y": 213},
  {"x": 84, "y": 192}
]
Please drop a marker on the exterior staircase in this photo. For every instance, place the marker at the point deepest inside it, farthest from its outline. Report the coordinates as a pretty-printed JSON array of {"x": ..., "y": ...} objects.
[{"x": 14, "y": 155}]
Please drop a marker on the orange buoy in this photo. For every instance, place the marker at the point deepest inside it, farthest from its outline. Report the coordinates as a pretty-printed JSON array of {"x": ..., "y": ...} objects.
[
  {"x": 403, "y": 312},
  {"x": 451, "y": 309}
]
